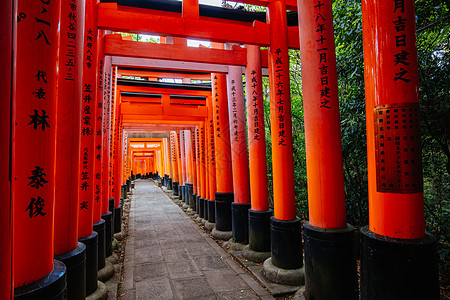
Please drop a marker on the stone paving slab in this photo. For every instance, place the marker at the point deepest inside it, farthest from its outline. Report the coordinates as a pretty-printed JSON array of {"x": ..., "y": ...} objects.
[{"x": 167, "y": 256}]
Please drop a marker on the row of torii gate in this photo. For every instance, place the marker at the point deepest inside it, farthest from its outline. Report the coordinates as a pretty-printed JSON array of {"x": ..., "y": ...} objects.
[{"x": 73, "y": 128}]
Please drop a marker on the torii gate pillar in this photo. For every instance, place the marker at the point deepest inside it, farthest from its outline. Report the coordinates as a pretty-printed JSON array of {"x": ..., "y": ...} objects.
[
  {"x": 259, "y": 215},
  {"x": 285, "y": 227},
  {"x": 86, "y": 233},
  {"x": 239, "y": 157},
  {"x": 329, "y": 240},
  {"x": 67, "y": 248},
  {"x": 398, "y": 258},
  {"x": 34, "y": 113},
  {"x": 224, "y": 194},
  {"x": 6, "y": 213}
]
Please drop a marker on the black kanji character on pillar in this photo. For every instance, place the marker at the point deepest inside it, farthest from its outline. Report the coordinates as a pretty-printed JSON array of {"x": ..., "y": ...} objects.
[
  {"x": 37, "y": 120},
  {"x": 84, "y": 205},
  {"x": 37, "y": 178},
  {"x": 86, "y": 131},
  {"x": 35, "y": 207},
  {"x": 401, "y": 58},
  {"x": 84, "y": 175},
  {"x": 84, "y": 185},
  {"x": 400, "y": 74},
  {"x": 399, "y": 5},
  {"x": 41, "y": 74},
  {"x": 42, "y": 34},
  {"x": 40, "y": 93}
]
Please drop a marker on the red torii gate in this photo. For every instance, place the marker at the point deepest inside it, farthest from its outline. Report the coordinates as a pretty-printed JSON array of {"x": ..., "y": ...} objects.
[{"x": 396, "y": 235}]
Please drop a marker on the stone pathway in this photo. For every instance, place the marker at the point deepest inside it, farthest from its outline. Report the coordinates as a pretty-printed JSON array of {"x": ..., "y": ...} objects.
[{"x": 168, "y": 256}]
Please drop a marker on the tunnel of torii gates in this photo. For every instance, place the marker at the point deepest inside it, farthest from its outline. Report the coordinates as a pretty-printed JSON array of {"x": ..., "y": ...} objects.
[{"x": 91, "y": 131}]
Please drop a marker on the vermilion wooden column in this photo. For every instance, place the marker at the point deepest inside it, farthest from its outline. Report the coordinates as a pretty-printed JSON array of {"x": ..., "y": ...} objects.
[
  {"x": 193, "y": 143},
  {"x": 256, "y": 130},
  {"x": 189, "y": 190},
  {"x": 224, "y": 193},
  {"x": 168, "y": 158},
  {"x": 125, "y": 156},
  {"x": 67, "y": 248},
  {"x": 112, "y": 143},
  {"x": 210, "y": 207},
  {"x": 395, "y": 247},
  {"x": 202, "y": 171},
  {"x": 114, "y": 162},
  {"x": 88, "y": 104},
  {"x": 117, "y": 149},
  {"x": 6, "y": 213},
  {"x": 34, "y": 118},
  {"x": 87, "y": 157},
  {"x": 259, "y": 215},
  {"x": 68, "y": 133},
  {"x": 107, "y": 82},
  {"x": 118, "y": 160},
  {"x": 327, "y": 226},
  {"x": 174, "y": 157},
  {"x": 197, "y": 169},
  {"x": 202, "y": 151},
  {"x": 238, "y": 137},
  {"x": 95, "y": 60},
  {"x": 239, "y": 156},
  {"x": 98, "y": 191},
  {"x": 286, "y": 235},
  {"x": 181, "y": 152},
  {"x": 183, "y": 166},
  {"x": 178, "y": 153},
  {"x": 177, "y": 181}
]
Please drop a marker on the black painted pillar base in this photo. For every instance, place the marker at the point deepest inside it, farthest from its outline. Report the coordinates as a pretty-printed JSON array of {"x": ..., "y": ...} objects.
[
  {"x": 259, "y": 231},
  {"x": 201, "y": 207},
  {"x": 100, "y": 229},
  {"x": 398, "y": 268},
  {"x": 188, "y": 193},
  {"x": 239, "y": 217},
  {"x": 223, "y": 211},
  {"x": 194, "y": 202},
  {"x": 111, "y": 206},
  {"x": 286, "y": 245},
  {"x": 169, "y": 184},
  {"x": 211, "y": 208},
  {"x": 51, "y": 287},
  {"x": 118, "y": 219},
  {"x": 175, "y": 186},
  {"x": 128, "y": 185},
  {"x": 181, "y": 189},
  {"x": 330, "y": 263},
  {"x": 109, "y": 233},
  {"x": 75, "y": 262},
  {"x": 197, "y": 204},
  {"x": 91, "y": 262},
  {"x": 123, "y": 191}
]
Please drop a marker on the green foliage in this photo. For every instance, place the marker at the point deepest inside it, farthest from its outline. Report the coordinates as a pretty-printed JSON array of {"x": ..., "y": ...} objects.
[
  {"x": 350, "y": 71},
  {"x": 433, "y": 47}
]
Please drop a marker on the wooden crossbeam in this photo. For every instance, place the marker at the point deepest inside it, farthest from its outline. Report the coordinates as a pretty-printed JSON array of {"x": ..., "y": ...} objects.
[
  {"x": 140, "y": 118},
  {"x": 177, "y": 65},
  {"x": 128, "y": 19},
  {"x": 115, "y": 45}
]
